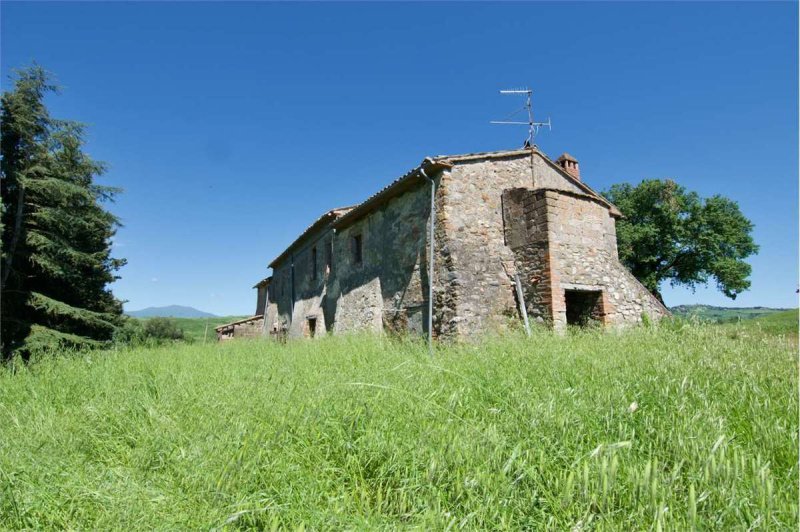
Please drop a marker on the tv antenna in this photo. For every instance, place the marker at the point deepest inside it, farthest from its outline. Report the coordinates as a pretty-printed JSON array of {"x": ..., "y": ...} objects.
[{"x": 533, "y": 127}]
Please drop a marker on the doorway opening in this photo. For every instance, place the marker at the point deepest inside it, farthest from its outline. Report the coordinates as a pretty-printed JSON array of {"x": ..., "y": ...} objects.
[
  {"x": 311, "y": 327},
  {"x": 584, "y": 307}
]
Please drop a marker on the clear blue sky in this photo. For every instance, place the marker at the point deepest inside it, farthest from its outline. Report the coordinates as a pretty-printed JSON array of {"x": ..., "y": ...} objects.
[{"x": 232, "y": 126}]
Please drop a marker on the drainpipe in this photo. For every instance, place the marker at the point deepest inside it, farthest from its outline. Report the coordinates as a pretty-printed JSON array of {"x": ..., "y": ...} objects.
[
  {"x": 291, "y": 318},
  {"x": 430, "y": 261}
]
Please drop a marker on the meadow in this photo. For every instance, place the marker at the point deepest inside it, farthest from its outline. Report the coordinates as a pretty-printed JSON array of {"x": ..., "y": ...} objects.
[
  {"x": 680, "y": 426},
  {"x": 724, "y": 314}
]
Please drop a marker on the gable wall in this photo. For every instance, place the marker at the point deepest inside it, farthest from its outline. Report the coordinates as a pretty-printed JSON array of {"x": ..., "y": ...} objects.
[
  {"x": 583, "y": 255},
  {"x": 482, "y": 264}
]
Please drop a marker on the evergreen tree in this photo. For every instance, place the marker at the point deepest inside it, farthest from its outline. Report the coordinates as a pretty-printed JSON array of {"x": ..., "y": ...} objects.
[{"x": 56, "y": 258}]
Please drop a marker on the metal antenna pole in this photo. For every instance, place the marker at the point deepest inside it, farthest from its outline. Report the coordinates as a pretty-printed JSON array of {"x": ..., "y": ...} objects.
[{"x": 533, "y": 126}]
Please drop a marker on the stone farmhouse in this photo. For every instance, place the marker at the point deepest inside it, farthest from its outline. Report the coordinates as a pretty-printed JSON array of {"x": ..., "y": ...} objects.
[{"x": 505, "y": 222}]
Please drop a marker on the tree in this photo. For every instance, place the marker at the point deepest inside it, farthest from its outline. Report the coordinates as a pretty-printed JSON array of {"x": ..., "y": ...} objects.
[
  {"x": 152, "y": 331},
  {"x": 670, "y": 234},
  {"x": 56, "y": 258}
]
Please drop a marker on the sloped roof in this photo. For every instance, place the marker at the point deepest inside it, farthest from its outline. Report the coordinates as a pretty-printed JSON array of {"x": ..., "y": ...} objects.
[
  {"x": 263, "y": 282},
  {"x": 233, "y": 323},
  {"x": 343, "y": 217},
  {"x": 527, "y": 151},
  {"x": 403, "y": 183},
  {"x": 320, "y": 222}
]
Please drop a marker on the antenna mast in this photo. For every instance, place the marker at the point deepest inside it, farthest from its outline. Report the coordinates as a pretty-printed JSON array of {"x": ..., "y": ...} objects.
[{"x": 533, "y": 127}]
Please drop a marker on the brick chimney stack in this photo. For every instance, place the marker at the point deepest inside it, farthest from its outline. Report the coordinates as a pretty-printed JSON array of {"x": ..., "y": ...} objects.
[{"x": 570, "y": 164}]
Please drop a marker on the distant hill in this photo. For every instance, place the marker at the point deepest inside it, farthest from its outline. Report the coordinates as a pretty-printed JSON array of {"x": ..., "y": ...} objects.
[
  {"x": 723, "y": 314},
  {"x": 171, "y": 311}
]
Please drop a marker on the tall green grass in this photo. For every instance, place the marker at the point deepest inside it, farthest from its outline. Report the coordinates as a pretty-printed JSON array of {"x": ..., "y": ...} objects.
[{"x": 679, "y": 427}]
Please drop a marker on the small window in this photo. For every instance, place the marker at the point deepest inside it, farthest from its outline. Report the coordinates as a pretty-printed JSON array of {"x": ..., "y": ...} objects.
[
  {"x": 329, "y": 257},
  {"x": 314, "y": 262},
  {"x": 358, "y": 249},
  {"x": 312, "y": 327}
]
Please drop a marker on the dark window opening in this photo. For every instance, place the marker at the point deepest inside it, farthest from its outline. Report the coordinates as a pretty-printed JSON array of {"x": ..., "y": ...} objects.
[
  {"x": 358, "y": 249},
  {"x": 329, "y": 257},
  {"x": 584, "y": 307},
  {"x": 312, "y": 327},
  {"x": 314, "y": 262}
]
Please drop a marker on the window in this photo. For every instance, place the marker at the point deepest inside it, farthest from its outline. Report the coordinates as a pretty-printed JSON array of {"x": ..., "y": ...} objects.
[
  {"x": 358, "y": 249},
  {"x": 314, "y": 262},
  {"x": 311, "y": 324},
  {"x": 329, "y": 257}
]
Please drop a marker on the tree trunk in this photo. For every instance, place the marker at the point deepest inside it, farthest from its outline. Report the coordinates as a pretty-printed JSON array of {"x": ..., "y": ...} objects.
[
  {"x": 12, "y": 246},
  {"x": 657, "y": 294}
]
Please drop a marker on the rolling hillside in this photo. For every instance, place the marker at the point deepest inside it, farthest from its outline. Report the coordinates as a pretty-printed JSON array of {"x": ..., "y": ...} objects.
[
  {"x": 170, "y": 311},
  {"x": 723, "y": 314}
]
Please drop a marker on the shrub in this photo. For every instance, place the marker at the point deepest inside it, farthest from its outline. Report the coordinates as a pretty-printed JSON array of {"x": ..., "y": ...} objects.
[
  {"x": 163, "y": 329},
  {"x": 153, "y": 331}
]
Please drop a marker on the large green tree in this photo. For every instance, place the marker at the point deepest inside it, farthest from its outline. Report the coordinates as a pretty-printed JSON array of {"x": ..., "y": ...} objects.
[
  {"x": 669, "y": 234},
  {"x": 56, "y": 258}
]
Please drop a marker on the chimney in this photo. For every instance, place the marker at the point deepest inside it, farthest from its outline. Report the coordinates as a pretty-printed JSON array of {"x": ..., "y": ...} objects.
[{"x": 570, "y": 164}]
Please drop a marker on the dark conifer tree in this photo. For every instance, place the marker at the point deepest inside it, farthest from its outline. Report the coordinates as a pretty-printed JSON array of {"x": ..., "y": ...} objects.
[{"x": 56, "y": 258}]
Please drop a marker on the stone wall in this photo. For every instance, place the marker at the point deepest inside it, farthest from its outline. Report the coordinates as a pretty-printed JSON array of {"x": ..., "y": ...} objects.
[
  {"x": 583, "y": 245},
  {"x": 482, "y": 264},
  {"x": 249, "y": 328},
  {"x": 526, "y": 234},
  {"x": 571, "y": 246},
  {"x": 261, "y": 299},
  {"x": 297, "y": 294},
  {"x": 387, "y": 290}
]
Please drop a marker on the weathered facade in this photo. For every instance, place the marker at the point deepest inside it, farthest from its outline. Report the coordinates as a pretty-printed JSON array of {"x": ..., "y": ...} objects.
[
  {"x": 252, "y": 327},
  {"x": 499, "y": 216}
]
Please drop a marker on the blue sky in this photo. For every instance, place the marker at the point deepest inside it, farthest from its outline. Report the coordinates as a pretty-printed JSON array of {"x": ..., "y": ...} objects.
[{"x": 232, "y": 126}]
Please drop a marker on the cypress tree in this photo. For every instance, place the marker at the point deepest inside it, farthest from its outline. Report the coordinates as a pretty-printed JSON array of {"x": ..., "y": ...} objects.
[{"x": 56, "y": 261}]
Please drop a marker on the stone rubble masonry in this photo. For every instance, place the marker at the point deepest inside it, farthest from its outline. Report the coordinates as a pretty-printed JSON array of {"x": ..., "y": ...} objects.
[
  {"x": 497, "y": 215},
  {"x": 387, "y": 290},
  {"x": 249, "y": 328},
  {"x": 571, "y": 244}
]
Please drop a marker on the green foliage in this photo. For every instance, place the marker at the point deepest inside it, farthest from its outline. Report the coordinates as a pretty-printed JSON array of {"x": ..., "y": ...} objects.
[
  {"x": 670, "y": 234},
  {"x": 56, "y": 257},
  {"x": 153, "y": 331},
  {"x": 683, "y": 427},
  {"x": 162, "y": 329}
]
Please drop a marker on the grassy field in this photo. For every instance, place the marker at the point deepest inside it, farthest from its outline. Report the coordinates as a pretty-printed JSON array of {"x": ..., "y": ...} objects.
[
  {"x": 724, "y": 314},
  {"x": 676, "y": 427},
  {"x": 783, "y": 322}
]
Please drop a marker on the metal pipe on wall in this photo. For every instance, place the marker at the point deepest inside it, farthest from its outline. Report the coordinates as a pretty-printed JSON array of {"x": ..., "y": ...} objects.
[
  {"x": 292, "y": 290},
  {"x": 430, "y": 261}
]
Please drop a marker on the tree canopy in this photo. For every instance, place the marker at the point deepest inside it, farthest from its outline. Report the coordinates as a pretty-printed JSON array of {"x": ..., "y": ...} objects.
[
  {"x": 671, "y": 234},
  {"x": 56, "y": 258}
]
